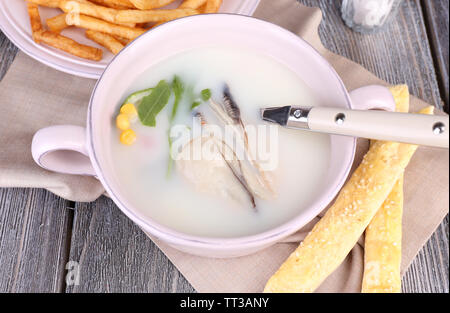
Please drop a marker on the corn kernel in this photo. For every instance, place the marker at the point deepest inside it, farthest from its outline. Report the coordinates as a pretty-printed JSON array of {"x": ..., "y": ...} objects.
[
  {"x": 128, "y": 137},
  {"x": 122, "y": 121},
  {"x": 129, "y": 109}
]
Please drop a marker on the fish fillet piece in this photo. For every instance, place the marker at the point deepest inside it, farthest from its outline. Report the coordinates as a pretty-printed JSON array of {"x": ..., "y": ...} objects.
[
  {"x": 214, "y": 174},
  {"x": 261, "y": 182}
]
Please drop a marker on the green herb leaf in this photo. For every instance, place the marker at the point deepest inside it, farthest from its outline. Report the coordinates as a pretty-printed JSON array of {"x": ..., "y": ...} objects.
[
  {"x": 178, "y": 89},
  {"x": 206, "y": 94},
  {"x": 137, "y": 96},
  {"x": 195, "y": 104},
  {"x": 152, "y": 104}
]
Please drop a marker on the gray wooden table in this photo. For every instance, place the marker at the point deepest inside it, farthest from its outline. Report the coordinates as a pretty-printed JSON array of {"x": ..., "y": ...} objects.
[{"x": 40, "y": 232}]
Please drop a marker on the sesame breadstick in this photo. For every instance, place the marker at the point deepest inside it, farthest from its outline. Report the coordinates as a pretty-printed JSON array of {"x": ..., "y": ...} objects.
[
  {"x": 332, "y": 238},
  {"x": 382, "y": 247}
]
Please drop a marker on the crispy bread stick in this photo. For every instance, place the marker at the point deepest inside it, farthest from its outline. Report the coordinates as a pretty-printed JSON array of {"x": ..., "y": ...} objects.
[
  {"x": 150, "y": 4},
  {"x": 93, "y": 23},
  {"x": 382, "y": 249},
  {"x": 107, "y": 41},
  {"x": 35, "y": 20},
  {"x": 192, "y": 4},
  {"x": 57, "y": 23}
]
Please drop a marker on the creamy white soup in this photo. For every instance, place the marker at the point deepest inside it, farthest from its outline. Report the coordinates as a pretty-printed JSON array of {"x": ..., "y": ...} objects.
[{"x": 216, "y": 195}]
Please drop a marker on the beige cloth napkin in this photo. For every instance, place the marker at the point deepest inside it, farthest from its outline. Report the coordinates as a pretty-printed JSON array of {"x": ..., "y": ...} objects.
[{"x": 34, "y": 96}]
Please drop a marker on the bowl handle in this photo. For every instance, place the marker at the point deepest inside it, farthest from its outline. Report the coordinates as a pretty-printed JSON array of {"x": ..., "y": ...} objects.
[
  {"x": 372, "y": 97},
  {"x": 62, "y": 149}
]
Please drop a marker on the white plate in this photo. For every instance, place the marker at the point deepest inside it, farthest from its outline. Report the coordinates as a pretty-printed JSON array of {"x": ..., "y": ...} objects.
[{"x": 14, "y": 23}]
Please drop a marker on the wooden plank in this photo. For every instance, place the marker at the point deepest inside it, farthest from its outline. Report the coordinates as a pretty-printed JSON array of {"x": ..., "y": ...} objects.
[
  {"x": 437, "y": 22},
  {"x": 398, "y": 54},
  {"x": 429, "y": 272},
  {"x": 114, "y": 255},
  {"x": 8, "y": 52},
  {"x": 437, "y": 19},
  {"x": 33, "y": 240}
]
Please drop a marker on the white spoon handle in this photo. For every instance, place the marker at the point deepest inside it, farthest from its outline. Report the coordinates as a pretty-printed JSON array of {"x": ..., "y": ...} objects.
[{"x": 421, "y": 129}]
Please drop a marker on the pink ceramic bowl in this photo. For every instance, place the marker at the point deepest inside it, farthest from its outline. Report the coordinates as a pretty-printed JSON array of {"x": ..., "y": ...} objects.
[{"x": 75, "y": 150}]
